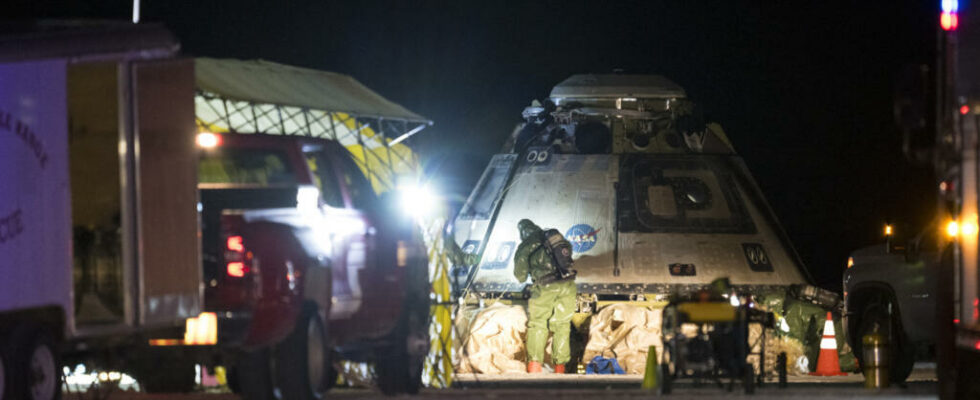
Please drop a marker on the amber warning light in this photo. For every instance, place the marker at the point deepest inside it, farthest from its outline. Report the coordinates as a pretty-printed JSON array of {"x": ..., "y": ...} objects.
[
  {"x": 198, "y": 331},
  {"x": 202, "y": 330}
]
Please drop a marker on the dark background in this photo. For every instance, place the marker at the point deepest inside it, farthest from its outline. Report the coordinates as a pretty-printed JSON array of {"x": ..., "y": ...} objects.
[{"x": 803, "y": 89}]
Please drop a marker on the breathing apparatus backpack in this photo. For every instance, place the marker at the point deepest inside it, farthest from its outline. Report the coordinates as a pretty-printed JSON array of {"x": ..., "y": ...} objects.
[{"x": 560, "y": 251}]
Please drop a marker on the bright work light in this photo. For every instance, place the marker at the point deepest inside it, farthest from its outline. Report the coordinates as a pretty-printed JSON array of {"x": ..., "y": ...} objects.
[{"x": 417, "y": 199}]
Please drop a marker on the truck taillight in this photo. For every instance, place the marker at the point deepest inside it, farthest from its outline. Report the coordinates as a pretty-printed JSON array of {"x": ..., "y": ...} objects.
[
  {"x": 237, "y": 269},
  {"x": 235, "y": 244},
  {"x": 237, "y": 260}
]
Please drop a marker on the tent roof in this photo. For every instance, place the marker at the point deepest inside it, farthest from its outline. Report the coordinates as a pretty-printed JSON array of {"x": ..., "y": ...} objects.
[{"x": 261, "y": 81}]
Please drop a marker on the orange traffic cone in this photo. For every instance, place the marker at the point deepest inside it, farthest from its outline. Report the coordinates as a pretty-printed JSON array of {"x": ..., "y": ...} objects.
[{"x": 827, "y": 363}]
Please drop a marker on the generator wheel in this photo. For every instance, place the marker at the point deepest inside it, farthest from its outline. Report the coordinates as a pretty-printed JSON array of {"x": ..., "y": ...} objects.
[
  {"x": 667, "y": 372},
  {"x": 748, "y": 379}
]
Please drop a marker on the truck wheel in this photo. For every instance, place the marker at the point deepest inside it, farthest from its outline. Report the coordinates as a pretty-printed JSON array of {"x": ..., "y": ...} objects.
[
  {"x": 901, "y": 354},
  {"x": 253, "y": 372},
  {"x": 302, "y": 359},
  {"x": 399, "y": 366},
  {"x": 748, "y": 378},
  {"x": 34, "y": 365},
  {"x": 164, "y": 370}
]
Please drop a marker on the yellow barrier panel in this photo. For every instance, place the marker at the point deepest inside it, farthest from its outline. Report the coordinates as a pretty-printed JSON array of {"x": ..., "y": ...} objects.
[{"x": 439, "y": 364}]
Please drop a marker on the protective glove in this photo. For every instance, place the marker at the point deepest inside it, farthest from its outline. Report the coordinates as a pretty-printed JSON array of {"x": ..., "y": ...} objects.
[{"x": 453, "y": 252}]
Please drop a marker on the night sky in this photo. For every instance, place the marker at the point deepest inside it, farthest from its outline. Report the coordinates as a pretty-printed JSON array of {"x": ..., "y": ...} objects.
[{"x": 804, "y": 90}]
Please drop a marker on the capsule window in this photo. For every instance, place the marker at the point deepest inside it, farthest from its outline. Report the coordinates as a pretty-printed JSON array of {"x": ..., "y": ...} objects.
[
  {"x": 661, "y": 200},
  {"x": 488, "y": 189},
  {"x": 683, "y": 194}
]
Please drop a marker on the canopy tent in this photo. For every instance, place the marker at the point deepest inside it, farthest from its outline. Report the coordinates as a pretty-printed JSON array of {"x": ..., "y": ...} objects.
[{"x": 257, "y": 96}]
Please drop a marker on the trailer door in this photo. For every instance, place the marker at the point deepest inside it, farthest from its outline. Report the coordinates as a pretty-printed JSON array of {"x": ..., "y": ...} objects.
[{"x": 166, "y": 186}]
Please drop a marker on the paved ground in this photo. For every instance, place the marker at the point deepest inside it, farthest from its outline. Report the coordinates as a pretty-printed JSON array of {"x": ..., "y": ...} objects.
[
  {"x": 924, "y": 373},
  {"x": 913, "y": 392},
  {"x": 921, "y": 385}
]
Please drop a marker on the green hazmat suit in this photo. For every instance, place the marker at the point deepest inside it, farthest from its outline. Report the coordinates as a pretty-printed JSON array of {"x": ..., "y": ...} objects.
[
  {"x": 551, "y": 305},
  {"x": 804, "y": 322},
  {"x": 457, "y": 256}
]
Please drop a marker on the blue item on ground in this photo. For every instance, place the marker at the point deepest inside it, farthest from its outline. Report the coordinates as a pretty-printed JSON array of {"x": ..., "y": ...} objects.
[{"x": 604, "y": 366}]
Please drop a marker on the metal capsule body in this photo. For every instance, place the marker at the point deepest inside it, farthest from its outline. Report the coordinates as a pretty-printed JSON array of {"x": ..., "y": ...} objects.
[{"x": 651, "y": 202}]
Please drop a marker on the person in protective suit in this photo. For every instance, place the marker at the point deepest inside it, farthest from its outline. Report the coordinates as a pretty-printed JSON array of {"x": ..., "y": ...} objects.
[{"x": 552, "y": 302}]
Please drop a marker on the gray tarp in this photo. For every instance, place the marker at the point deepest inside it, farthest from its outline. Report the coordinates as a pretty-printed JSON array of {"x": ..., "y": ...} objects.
[{"x": 260, "y": 81}]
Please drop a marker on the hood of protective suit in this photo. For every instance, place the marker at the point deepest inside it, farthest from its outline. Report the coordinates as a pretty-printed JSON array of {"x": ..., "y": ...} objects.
[{"x": 527, "y": 229}]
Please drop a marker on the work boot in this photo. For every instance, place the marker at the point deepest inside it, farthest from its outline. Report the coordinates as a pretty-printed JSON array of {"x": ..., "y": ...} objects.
[
  {"x": 560, "y": 369},
  {"x": 533, "y": 367}
]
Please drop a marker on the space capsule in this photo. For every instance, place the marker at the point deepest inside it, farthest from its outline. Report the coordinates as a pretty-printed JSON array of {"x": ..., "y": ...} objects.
[{"x": 653, "y": 199}]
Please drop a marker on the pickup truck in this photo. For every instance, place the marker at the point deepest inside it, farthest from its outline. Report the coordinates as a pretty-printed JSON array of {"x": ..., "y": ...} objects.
[
  {"x": 891, "y": 287},
  {"x": 304, "y": 263}
]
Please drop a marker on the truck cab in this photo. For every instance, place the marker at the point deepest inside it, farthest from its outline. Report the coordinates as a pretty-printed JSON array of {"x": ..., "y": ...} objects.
[{"x": 296, "y": 242}]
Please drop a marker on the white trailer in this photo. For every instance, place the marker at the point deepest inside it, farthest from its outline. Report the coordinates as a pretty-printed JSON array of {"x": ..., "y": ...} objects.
[{"x": 99, "y": 247}]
